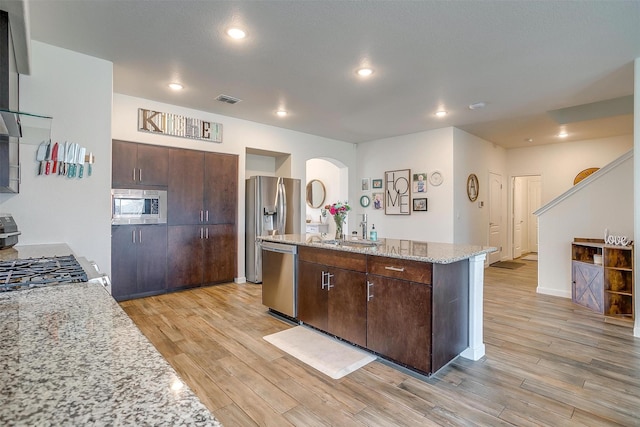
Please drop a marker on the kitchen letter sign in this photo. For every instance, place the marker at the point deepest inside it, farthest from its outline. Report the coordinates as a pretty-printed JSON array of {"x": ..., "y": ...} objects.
[
  {"x": 397, "y": 192},
  {"x": 176, "y": 125}
]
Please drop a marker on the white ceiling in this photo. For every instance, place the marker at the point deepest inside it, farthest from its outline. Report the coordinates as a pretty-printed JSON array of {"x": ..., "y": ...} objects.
[{"x": 523, "y": 58}]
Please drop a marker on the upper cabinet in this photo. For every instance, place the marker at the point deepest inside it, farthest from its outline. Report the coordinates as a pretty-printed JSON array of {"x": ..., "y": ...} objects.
[
  {"x": 137, "y": 165},
  {"x": 203, "y": 188}
]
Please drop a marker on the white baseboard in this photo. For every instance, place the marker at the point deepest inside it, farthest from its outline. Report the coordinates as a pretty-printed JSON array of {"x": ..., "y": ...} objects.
[
  {"x": 240, "y": 280},
  {"x": 553, "y": 292}
]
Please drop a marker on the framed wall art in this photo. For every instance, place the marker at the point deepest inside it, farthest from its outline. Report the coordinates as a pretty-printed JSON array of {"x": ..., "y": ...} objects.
[
  {"x": 420, "y": 182},
  {"x": 377, "y": 183},
  {"x": 365, "y": 184},
  {"x": 397, "y": 194},
  {"x": 378, "y": 200},
  {"x": 473, "y": 187},
  {"x": 420, "y": 205}
]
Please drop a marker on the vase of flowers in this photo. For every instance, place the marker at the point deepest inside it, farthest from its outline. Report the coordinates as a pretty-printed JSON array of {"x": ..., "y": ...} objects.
[{"x": 339, "y": 212}]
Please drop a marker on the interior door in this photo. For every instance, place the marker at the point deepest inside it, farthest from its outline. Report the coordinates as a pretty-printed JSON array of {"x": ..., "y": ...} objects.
[
  {"x": 495, "y": 216},
  {"x": 517, "y": 217},
  {"x": 535, "y": 200}
]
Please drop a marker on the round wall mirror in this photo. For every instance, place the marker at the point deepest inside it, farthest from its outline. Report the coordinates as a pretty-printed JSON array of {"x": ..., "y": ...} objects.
[{"x": 315, "y": 193}]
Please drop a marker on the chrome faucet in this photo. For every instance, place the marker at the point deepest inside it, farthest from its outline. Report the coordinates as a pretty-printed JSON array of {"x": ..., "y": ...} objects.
[{"x": 363, "y": 224}]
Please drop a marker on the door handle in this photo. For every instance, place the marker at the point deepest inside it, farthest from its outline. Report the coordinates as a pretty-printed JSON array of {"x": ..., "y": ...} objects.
[
  {"x": 399, "y": 269},
  {"x": 323, "y": 277},
  {"x": 369, "y": 293},
  {"x": 140, "y": 236},
  {"x": 201, "y": 233},
  {"x": 133, "y": 236}
]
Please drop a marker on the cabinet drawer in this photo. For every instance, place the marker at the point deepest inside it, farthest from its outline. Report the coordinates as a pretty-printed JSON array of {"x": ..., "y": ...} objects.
[
  {"x": 413, "y": 271},
  {"x": 340, "y": 259}
]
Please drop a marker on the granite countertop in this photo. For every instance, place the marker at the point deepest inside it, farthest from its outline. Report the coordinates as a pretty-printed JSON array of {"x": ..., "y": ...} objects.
[
  {"x": 71, "y": 356},
  {"x": 439, "y": 253}
]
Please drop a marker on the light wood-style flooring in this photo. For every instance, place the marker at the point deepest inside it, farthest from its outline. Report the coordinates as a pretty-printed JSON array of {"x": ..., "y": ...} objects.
[{"x": 548, "y": 363}]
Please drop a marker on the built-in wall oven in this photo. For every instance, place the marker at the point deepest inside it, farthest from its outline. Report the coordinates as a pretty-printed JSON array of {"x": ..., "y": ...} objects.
[{"x": 135, "y": 206}]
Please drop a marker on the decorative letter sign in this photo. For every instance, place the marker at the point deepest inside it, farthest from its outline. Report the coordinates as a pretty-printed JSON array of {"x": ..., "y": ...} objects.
[
  {"x": 176, "y": 125},
  {"x": 397, "y": 192}
]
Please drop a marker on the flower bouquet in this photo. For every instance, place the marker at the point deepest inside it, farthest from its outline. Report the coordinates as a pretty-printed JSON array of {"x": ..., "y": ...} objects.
[{"x": 339, "y": 212}]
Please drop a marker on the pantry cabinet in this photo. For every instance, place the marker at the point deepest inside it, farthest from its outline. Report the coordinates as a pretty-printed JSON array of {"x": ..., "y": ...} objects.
[
  {"x": 202, "y": 209},
  {"x": 138, "y": 260},
  {"x": 136, "y": 165}
]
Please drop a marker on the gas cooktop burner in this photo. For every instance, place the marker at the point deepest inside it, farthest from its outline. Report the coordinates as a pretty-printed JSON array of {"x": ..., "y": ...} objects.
[{"x": 39, "y": 272}]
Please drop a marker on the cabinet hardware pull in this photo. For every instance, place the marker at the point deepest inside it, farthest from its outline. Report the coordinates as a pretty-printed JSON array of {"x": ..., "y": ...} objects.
[
  {"x": 369, "y": 293},
  {"x": 201, "y": 233},
  {"x": 329, "y": 285},
  {"x": 400, "y": 269},
  {"x": 207, "y": 215},
  {"x": 139, "y": 236},
  {"x": 201, "y": 215},
  {"x": 140, "y": 175},
  {"x": 207, "y": 233},
  {"x": 323, "y": 276},
  {"x": 134, "y": 174},
  {"x": 133, "y": 236}
]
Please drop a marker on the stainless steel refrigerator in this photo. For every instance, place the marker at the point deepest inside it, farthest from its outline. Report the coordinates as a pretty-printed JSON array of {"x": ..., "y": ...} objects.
[{"x": 272, "y": 208}]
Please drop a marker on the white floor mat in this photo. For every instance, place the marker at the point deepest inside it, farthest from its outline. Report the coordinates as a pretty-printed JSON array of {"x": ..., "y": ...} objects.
[{"x": 328, "y": 355}]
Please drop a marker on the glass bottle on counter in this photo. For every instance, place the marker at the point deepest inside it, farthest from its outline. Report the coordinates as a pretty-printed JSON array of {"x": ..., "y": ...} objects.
[{"x": 373, "y": 235}]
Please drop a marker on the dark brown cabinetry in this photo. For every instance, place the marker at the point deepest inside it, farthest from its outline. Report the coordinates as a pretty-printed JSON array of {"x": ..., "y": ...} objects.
[
  {"x": 202, "y": 209},
  {"x": 602, "y": 278},
  {"x": 136, "y": 165},
  {"x": 138, "y": 260},
  {"x": 201, "y": 254},
  {"x": 414, "y": 313},
  {"x": 332, "y": 293}
]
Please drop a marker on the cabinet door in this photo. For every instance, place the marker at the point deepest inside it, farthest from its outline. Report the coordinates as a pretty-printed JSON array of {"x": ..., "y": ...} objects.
[
  {"x": 347, "y": 308},
  {"x": 588, "y": 283},
  {"x": 153, "y": 165},
  {"x": 186, "y": 184},
  {"x": 123, "y": 261},
  {"x": 124, "y": 156},
  {"x": 399, "y": 321},
  {"x": 152, "y": 258},
  {"x": 219, "y": 253},
  {"x": 312, "y": 299},
  {"x": 221, "y": 188},
  {"x": 184, "y": 256}
]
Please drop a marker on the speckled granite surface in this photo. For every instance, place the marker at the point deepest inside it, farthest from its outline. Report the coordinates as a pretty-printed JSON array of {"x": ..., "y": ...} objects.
[
  {"x": 70, "y": 356},
  {"x": 440, "y": 253}
]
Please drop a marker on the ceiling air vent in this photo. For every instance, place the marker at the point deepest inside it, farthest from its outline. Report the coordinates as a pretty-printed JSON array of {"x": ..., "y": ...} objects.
[{"x": 228, "y": 99}]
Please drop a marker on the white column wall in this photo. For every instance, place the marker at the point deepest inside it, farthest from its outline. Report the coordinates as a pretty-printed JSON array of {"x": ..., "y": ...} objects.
[{"x": 76, "y": 90}]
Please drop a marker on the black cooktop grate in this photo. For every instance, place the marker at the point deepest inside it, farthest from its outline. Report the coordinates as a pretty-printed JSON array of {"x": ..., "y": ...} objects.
[{"x": 38, "y": 272}]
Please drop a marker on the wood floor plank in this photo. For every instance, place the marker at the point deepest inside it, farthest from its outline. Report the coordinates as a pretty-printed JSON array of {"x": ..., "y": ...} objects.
[{"x": 548, "y": 362}]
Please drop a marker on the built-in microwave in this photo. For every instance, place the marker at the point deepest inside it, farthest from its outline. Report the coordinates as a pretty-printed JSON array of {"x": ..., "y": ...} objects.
[{"x": 133, "y": 206}]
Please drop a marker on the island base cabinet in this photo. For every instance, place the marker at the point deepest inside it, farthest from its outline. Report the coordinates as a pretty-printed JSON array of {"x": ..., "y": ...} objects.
[
  {"x": 138, "y": 260},
  {"x": 399, "y": 321},
  {"x": 333, "y": 300}
]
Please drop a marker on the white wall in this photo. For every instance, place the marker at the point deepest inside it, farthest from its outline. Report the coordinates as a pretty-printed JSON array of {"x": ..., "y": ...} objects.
[
  {"x": 605, "y": 203},
  {"x": 558, "y": 164},
  {"x": 329, "y": 174},
  {"x": 238, "y": 135},
  {"x": 76, "y": 90},
  {"x": 420, "y": 152},
  {"x": 477, "y": 156}
]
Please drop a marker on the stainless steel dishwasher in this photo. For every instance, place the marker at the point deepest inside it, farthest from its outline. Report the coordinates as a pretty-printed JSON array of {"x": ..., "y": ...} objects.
[{"x": 279, "y": 277}]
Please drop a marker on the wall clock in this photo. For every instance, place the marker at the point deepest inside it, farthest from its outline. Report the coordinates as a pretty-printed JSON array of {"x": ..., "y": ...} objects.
[
  {"x": 473, "y": 188},
  {"x": 364, "y": 201},
  {"x": 436, "y": 178}
]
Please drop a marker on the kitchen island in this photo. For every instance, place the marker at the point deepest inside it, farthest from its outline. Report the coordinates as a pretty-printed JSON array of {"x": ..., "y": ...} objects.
[
  {"x": 71, "y": 356},
  {"x": 418, "y": 304}
]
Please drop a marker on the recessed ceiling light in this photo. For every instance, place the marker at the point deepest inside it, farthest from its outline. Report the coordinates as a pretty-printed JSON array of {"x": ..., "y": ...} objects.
[
  {"x": 441, "y": 113},
  {"x": 175, "y": 86},
  {"x": 236, "y": 33},
  {"x": 563, "y": 134},
  {"x": 364, "y": 72},
  {"x": 281, "y": 113},
  {"x": 477, "y": 105}
]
